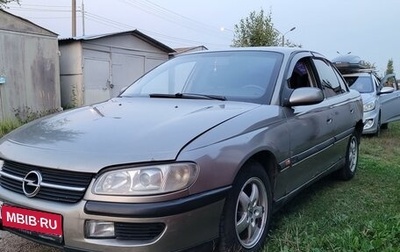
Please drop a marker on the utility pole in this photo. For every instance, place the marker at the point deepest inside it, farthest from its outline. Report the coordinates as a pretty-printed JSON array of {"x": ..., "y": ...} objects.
[
  {"x": 83, "y": 19},
  {"x": 73, "y": 18}
]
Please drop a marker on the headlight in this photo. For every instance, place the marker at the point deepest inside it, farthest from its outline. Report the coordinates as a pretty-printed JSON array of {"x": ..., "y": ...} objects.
[
  {"x": 146, "y": 180},
  {"x": 369, "y": 106}
]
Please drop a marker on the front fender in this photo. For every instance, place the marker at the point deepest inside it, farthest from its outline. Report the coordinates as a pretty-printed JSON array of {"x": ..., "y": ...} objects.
[{"x": 222, "y": 151}]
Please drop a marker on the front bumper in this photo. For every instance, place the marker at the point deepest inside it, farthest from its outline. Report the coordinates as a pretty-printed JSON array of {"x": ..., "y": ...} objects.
[
  {"x": 370, "y": 120},
  {"x": 186, "y": 222}
]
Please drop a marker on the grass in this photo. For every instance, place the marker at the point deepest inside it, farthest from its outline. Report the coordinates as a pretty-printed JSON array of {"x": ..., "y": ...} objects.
[
  {"x": 362, "y": 214},
  {"x": 8, "y": 125},
  {"x": 23, "y": 115}
]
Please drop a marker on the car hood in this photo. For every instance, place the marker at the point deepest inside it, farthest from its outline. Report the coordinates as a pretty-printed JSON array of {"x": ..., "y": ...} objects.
[
  {"x": 367, "y": 97},
  {"x": 119, "y": 131}
]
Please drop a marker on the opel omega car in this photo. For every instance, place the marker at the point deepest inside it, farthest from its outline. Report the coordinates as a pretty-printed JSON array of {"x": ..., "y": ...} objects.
[
  {"x": 381, "y": 96},
  {"x": 201, "y": 150}
]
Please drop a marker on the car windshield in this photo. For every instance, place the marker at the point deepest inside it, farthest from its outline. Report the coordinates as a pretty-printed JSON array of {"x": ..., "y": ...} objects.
[
  {"x": 231, "y": 75},
  {"x": 362, "y": 84}
]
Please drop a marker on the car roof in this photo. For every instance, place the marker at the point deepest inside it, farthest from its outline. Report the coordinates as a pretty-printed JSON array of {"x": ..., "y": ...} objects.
[
  {"x": 284, "y": 50},
  {"x": 357, "y": 74}
]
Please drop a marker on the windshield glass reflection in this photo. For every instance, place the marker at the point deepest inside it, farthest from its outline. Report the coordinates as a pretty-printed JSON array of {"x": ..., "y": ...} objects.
[
  {"x": 236, "y": 75},
  {"x": 362, "y": 84}
]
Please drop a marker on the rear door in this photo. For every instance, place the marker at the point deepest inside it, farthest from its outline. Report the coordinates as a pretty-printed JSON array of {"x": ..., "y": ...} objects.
[{"x": 341, "y": 110}]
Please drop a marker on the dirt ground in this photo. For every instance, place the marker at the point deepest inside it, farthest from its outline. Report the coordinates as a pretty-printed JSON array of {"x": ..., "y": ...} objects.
[{"x": 12, "y": 243}]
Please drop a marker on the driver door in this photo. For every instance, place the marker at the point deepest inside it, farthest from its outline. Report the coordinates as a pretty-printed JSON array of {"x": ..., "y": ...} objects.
[{"x": 390, "y": 102}]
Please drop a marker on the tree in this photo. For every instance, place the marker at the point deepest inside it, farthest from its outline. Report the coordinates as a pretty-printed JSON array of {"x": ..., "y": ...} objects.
[
  {"x": 3, "y": 3},
  {"x": 258, "y": 30},
  {"x": 389, "y": 67},
  {"x": 255, "y": 30},
  {"x": 368, "y": 65}
]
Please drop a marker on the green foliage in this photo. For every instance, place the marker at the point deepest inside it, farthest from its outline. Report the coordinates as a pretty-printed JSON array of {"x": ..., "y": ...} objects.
[
  {"x": 22, "y": 116},
  {"x": 389, "y": 67},
  {"x": 258, "y": 30},
  {"x": 369, "y": 65},
  {"x": 3, "y": 3},
  {"x": 358, "y": 215},
  {"x": 8, "y": 125},
  {"x": 75, "y": 101},
  {"x": 26, "y": 114}
]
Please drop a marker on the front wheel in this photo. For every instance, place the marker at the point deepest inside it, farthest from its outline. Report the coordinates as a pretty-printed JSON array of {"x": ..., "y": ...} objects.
[
  {"x": 349, "y": 169},
  {"x": 247, "y": 210}
]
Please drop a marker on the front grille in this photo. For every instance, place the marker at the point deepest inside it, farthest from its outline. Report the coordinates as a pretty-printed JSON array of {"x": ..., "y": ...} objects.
[
  {"x": 65, "y": 186},
  {"x": 138, "y": 231}
]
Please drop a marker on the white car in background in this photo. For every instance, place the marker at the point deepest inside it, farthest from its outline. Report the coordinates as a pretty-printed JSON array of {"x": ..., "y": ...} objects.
[{"x": 381, "y": 97}]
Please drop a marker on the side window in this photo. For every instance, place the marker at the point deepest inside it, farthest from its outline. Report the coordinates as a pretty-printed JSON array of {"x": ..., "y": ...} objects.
[
  {"x": 328, "y": 78},
  {"x": 301, "y": 75},
  {"x": 342, "y": 81},
  {"x": 390, "y": 82},
  {"x": 376, "y": 82}
]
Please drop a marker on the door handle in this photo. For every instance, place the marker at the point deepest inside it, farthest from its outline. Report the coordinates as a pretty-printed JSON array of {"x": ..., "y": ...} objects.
[{"x": 329, "y": 120}]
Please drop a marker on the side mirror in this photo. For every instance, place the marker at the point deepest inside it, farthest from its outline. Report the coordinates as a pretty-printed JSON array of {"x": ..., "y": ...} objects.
[
  {"x": 305, "y": 96},
  {"x": 386, "y": 90}
]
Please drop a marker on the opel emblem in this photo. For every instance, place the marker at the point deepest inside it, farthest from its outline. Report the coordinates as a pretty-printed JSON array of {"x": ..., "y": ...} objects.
[{"x": 31, "y": 183}]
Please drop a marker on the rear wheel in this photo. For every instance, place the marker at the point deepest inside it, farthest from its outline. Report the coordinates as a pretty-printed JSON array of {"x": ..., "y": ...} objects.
[
  {"x": 349, "y": 169},
  {"x": 245, "y": 220}
]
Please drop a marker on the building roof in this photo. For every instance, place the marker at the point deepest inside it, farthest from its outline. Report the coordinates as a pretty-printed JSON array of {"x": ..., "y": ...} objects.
[
  {"x": 135, "y": 32},
  {"x": 11, "y": 22}
]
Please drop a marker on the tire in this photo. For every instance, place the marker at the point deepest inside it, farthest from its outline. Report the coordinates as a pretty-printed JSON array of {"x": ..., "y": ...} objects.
[
  {"x": 348, "y": 171},
  {"x": 246, "y": 215},
  {"x": 384, "y": 126}
]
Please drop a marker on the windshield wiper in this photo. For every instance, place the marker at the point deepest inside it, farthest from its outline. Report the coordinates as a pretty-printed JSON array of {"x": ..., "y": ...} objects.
[{"x": 189, "y": 96}]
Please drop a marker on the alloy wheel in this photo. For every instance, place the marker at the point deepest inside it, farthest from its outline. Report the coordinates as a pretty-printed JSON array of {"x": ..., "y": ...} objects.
[{"x": 251, "y": 212}]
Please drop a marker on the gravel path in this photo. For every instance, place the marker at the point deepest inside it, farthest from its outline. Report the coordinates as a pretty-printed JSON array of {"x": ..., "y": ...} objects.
[{"x": 12, "y": 243}]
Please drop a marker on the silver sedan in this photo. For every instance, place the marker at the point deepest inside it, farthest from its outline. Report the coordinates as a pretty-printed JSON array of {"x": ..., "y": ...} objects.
[{"x": 201, "y": 150}]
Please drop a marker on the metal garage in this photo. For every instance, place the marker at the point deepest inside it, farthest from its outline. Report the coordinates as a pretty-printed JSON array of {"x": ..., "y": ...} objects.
[
  {"x": 29, "y": 69},
  {"x": 96, "y": 68}
]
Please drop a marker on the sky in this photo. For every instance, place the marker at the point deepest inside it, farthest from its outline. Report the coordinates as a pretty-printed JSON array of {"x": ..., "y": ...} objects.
[{"x": 366, "y": 28}]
